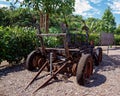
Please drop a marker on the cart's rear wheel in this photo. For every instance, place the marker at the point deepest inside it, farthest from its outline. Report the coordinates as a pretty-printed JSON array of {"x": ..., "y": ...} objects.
[
  {"x": 84, "y": 69},
  {"x": 98, "y": 56},
  {"x": 34, "y": 60}
]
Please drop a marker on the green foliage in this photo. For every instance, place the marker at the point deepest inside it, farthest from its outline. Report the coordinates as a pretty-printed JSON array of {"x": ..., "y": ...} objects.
[
  {"x": 4, "y": 17},
  {"x": 54, "y": 30},
  {"x": 94, "y": 37},
  {"x": 20, "y": 17},
  {"x": 117, "y": 39},
  {"x": 117, "y": 31},
  {"x": 51, "y": 6},
  {"x": 2, "y": 45},
  {"x": 75, "y": 23},
  {"x": 52, "y": 41},
  {"x": 108, "y": 21},
  {"x": 16, "y": 43},
  {"x": 94, "y": 25}
]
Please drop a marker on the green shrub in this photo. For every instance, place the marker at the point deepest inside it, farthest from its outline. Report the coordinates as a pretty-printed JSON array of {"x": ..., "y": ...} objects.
[
  {"x": 16, "y": 43},
  {"x": 117, "y": 39},
  {"x": 2, "y": 45}
]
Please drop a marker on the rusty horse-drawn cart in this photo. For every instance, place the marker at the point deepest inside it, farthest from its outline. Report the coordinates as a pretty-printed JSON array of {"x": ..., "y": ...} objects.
[{"x": 73, "y": 58}]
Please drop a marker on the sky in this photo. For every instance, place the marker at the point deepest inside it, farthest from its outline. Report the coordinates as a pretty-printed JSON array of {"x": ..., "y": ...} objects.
[{"x": 89, "y": 8}]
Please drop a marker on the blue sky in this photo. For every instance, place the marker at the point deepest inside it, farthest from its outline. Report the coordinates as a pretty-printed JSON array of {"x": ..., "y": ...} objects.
[
  {"x": 96, "y": 8},
  {"x": 89, "y": 8}
]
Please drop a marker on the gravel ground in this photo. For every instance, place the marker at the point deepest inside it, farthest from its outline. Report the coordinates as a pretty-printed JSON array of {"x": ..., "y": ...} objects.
[{"x": 105, "y": 81}]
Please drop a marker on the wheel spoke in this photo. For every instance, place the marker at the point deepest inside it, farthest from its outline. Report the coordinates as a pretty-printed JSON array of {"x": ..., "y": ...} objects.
[{"x": 34, "y": 60}]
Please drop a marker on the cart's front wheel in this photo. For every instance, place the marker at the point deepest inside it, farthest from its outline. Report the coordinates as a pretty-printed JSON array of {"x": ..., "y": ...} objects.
[
  {"x": 34, "y": 60},
  {"x": 84, "y": 69}
]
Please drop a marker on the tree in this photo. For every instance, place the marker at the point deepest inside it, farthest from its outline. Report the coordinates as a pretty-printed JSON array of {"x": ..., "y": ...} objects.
[
  {"x": 108, "y": 21},
  {"x": 117, "y": 31},
  {"x": 49, "y": 7},
  {"x": 93, "y": 25},
  {"x": 75, "y": 23},
  {"x": 4, "y": 16},
  {"x": 12, "y": 6}
]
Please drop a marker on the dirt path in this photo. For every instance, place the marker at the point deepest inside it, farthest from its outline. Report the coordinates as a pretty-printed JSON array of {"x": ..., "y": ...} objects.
[{"x": 104, "y": 82}]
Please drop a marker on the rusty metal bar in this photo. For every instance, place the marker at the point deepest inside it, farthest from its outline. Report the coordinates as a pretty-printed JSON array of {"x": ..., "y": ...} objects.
[
  {"x": 40, "y": 70},
  {"x": 51, "y": 63},
  {"x": 65, "y": 62}
]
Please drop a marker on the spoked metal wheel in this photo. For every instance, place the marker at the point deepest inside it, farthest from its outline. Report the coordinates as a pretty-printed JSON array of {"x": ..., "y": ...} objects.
[
  {"x": 84, "y": 69},
  {"x": 98, "y": 56},
  {"x": 34, "y": 60}
]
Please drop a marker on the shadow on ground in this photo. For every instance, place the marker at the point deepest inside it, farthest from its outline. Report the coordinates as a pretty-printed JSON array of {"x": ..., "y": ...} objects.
[
  {"x": 109, "y": 63},
  {"x": 96, "y": 80},
  {"x": 9, "y": 69}
]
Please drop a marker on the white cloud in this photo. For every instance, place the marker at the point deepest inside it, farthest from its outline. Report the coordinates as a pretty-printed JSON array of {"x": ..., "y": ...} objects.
[
  {"x": 14, "y": 0},
  {"x": 115, "y": 5},
  {"x": 83, "y": 7},
  {"x": 95, "y": 1},
  {"x": 2, "y": 0},
  {"x": 20, "y": 0},
  {"x": 3, "y": 5}
]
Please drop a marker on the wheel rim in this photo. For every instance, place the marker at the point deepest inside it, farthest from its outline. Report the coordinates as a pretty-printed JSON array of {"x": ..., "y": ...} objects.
[
  {"x": 41, "y": 61},
  {"x": 35, "y": 60},
  {"x": 74, "y": 68},
  {"x": 88, "y": 70}
]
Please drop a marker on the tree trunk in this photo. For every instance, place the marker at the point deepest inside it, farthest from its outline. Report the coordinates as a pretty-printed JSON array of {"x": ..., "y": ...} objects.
[
  {"x": 41, "y": 21},
  {"x": 46, "y": 23}
]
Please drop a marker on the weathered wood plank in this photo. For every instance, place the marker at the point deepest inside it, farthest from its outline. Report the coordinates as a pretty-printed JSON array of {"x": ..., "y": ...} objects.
[{"x": 60, "y": 34}]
